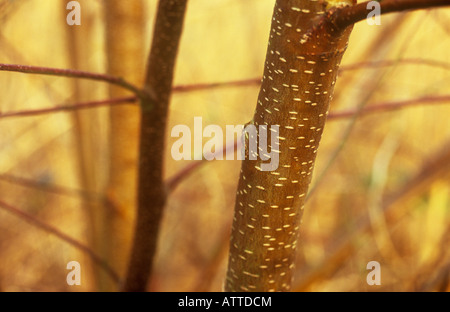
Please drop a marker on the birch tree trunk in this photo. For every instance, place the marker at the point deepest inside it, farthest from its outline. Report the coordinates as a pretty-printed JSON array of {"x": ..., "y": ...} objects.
[{"x": 301, "y": 65}]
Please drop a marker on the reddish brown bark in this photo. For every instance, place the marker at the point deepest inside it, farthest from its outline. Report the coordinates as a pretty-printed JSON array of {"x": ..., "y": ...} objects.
[{"x": 300, "y": 72}]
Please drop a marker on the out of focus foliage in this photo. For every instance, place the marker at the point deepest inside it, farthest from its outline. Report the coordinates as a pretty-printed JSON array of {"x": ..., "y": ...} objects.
[{"x": 398, "y": 162}]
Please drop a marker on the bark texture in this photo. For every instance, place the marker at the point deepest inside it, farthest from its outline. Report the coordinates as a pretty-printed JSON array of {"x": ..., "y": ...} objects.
[{"x": 302, "y": 62}]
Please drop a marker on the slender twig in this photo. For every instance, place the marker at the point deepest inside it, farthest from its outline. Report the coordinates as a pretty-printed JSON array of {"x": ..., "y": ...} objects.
[
  {"x": 70, "y": 107},
  {"x": 390, "y": 106},
  {"x": 388, "y": 63},
  {"x": 72, "y": 74},
  {"x": 205, "y": 86},
  {"x": 355, "y": 66},
  {"x": 180, "y": 176},
  {"x": 52, "y": 230},
  {"x": 350, "y": 15},
  {"x": 44, "y": 187}
]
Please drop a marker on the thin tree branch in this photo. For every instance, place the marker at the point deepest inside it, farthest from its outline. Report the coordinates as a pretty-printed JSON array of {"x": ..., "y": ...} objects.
[
  {"x": 389, "y": 106},
  {"x": 154, "y": 112},
  {"x": 387, "y": 63},
  {"x": 205, "y": 86},
  {"x": 71, "y": 74},
  {"x": 70, "y": 107},
  {"x": 54, "y": 189},
  {"x": 180, "y": 176},
  {"x": 346, "y": 16},
  {"x": 51, "y": 230}
]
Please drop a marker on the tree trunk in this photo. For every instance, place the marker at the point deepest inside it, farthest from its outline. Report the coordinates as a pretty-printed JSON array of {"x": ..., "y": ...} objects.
[{"x": 302, "y": 62}]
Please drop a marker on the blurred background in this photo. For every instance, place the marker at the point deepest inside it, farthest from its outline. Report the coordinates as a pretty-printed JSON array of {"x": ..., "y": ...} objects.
[{"x": 381, "y": 187}]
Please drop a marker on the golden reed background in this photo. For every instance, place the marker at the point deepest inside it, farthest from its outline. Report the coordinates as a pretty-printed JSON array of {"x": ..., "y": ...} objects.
[{"x": 397, "y": 160}]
